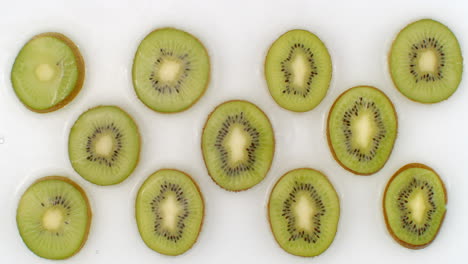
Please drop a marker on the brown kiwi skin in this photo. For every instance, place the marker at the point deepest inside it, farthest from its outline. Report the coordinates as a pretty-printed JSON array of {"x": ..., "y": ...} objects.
[
  {"x": 329, "y": 139},
  {"x": 202, "y": 198},
  {"x": 390, "y": 68},
  {"x": 269, "y": 199},
  {"x": 201, "y": 144},
  {"x": 264, "y": 72},
  {"x": 139, "y": 140},
  {"x": 85, "y": 197},
  {"x": 81, "y": 72},
  {"x": 207, "y": 80},
  {"x": 401, "y": 242}
]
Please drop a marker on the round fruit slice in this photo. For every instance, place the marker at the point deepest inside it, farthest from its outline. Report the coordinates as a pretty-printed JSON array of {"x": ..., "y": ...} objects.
[
  {"x": 169, "y": 212},
  {"x": 362, "y": 128},
  {"x": 238, "y": 145},
  {"x": 171, "y": 70},
  {"x": 304, "y": 210},
  {"x": 425, "y": 61},
  {"x": 104, "y": 145},
  {"x": 48, "y": 72},
  {"x": 298, "y": 70},
  {"x": 54, "y": 217},
  {"x": 414, "y": 205}
]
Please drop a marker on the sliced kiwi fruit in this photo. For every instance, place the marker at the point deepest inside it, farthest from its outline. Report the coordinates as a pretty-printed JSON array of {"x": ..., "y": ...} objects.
[
  {"x": 304, "y": 210},
  {"x": 104, "y": 145},
  {"x": 361, "y": 130},
  {"x": 171, "y": 70},
  {"x": 238, "y": 145},
  {"x": 169, "y": 211},
  {"x": 53, "y": 217},
  {"x": 414, "y": 205},
  {"x": 298, "y": 70},
  {"x": 425, "y": 61},
  {"x": 48, "y": 72}
]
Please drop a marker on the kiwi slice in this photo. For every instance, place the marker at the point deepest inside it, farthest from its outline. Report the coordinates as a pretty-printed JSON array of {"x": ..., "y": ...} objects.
[
  {"x": 54, "y": 217},
  {"x": 169, "y": 212},
  {"x": 362, "y": 128},
  {"x": 48, "y": 72},
  {"x": 238, "y": 145},
  {"x": 171, "y": 70},
  {"x": 425, "y": 61},
  {"x": 298, "y": 70},
  {"x": 303, "y": 211},
  {"x": 104, "y": 145},
  {"x": 414, "y": 205}
]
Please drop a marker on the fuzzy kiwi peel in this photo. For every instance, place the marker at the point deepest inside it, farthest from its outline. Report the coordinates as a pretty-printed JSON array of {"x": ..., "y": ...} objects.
[
  {"x": 386, "y": 216},
  {"x": 80, "y": 65},
  {"x": 88, "y": 212}
]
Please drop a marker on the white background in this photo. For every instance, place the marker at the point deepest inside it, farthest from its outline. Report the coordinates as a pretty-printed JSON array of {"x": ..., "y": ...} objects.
[{"x": 237, "y": 35}]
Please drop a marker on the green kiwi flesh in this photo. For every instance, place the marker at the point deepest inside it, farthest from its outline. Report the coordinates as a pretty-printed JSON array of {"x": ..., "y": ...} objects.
[
  {"x": 171, "y": 70},
  {"x": 298, "y": 70},
  {"x": 238, "y": 145},
  {"x": 362, "y": 128},
  {"x": 304, "y": 210},
  {"x": 48, "y": 72},
  {"x": 104, "y": 145},
  {"x": 414, "y": 205},
  {"x": 53, "y": 217},
  {"x": 169, "y": 211},
  {"x": 425, "y": 61}
]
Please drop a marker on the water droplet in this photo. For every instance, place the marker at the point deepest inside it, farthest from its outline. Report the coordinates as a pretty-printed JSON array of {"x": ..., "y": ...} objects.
[{"x": 2, "y": 140}]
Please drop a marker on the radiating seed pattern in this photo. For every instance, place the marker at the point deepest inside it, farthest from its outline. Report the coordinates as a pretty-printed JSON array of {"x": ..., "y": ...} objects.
[
  {"x": 170, "y": 87},
  {"x": 117, "y": 135},
  {"x": 416, "y": 49}
]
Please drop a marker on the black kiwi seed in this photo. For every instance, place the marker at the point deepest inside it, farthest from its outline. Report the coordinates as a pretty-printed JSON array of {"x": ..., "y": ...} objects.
[{"x": 223, "y": 132}]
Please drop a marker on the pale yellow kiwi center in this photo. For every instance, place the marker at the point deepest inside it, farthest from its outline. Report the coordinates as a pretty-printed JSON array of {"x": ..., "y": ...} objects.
[
  {"x": 237, "y": 142},
  {"x": 304, "y": 211},
  {"x": 299, "y": 67},
  {"x": 418, "y": 207},
  {"x": 428, "y": 61},
  {"x": 170, "y": 210},
  {"x": 169, "y": 70},
  {"x": 104, "y": 145},
  {"x": 45, "y": 72},
  {"x": 363, "y": 129},
  {"x": 52, "y": 219}
]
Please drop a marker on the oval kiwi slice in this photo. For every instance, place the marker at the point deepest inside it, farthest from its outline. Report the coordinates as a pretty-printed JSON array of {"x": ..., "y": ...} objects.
[
  {"x": 171, "y": 70},
  {"x": 48, "y": 72},
  {"x": 303, "y": 211},
  {"x": 104, "y": 145},
  {"x": 298, "y": 70},
  {"x": 414, "y": 205},
  {"x": 238, "y": 145},
  {"x": 425, "y": 61},
  {"x": 362, "y": 128},
  {"x": 54, "y": 217},
  {"x": 169, "y": 212}
]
